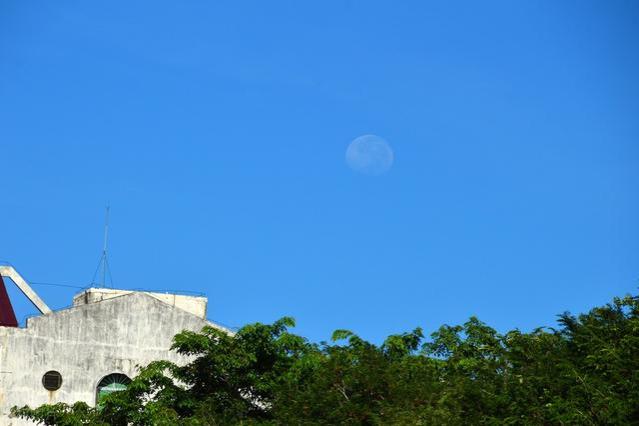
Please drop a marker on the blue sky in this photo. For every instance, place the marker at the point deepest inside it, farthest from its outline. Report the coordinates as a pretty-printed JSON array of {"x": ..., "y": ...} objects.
[{"x": 217, "y": 133}]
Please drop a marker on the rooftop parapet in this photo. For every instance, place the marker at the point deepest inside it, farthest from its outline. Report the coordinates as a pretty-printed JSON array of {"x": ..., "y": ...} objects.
[{"x": 195, "y": 305}]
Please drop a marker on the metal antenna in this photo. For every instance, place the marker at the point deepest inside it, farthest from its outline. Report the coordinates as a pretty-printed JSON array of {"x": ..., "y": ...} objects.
[
  {"x": 104, "y": 250},
  {"x": 104, "y": 260}
]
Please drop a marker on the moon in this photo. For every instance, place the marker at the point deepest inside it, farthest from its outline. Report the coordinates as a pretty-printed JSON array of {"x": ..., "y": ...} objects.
[{"x": 369, "y": 155}]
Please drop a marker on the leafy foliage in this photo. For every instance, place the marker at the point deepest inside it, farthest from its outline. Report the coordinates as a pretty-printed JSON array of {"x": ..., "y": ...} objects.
[{"x": 586, "y": 372}]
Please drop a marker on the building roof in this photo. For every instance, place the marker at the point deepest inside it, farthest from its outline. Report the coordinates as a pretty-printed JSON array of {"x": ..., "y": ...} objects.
[{"x": 195, "y": 305}]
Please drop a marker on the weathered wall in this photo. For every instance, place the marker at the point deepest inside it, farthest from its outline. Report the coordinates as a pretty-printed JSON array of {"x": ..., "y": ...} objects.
[
  {"x": 193, "y": 304},
  {"x": 86, "y": 343}
]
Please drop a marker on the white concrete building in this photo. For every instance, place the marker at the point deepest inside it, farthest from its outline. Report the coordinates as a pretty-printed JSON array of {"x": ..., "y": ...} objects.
[{"x": 91, "y": 348}]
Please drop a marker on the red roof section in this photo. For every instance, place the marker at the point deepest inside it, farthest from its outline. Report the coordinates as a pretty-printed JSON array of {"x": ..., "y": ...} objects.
[{"x": 7, "y": 316}]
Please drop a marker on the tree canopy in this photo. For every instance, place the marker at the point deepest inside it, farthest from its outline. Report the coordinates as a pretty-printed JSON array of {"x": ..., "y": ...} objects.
[{"x": 584, "y": 372}]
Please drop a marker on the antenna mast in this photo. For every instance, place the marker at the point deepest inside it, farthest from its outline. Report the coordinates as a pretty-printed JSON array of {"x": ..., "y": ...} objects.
[
  {"x": 104, "y": 250},
  {"x": 104, "y": 260}
]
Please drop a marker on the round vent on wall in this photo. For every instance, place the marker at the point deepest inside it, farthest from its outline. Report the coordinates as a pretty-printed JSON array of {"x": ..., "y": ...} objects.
[{"x": 52, "y": 380}]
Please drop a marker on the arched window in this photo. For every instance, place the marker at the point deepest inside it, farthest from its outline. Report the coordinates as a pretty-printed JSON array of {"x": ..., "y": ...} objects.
[{"x": 111, "y": 383}]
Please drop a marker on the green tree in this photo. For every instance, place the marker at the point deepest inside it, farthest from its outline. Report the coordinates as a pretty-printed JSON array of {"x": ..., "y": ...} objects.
[{"x": 585, "y": 372}]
